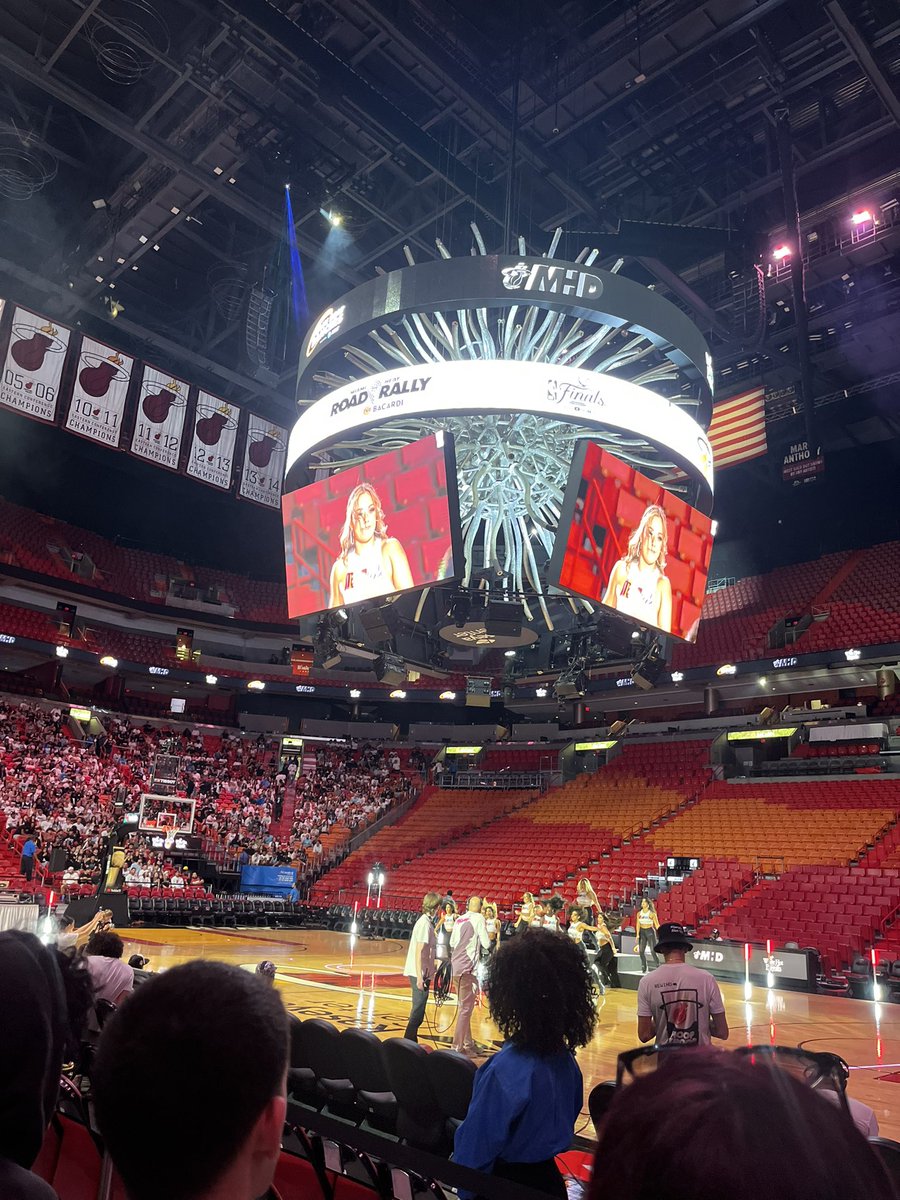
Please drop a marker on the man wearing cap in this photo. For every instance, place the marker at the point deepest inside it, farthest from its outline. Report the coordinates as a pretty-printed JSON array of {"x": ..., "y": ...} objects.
[{"x": 679, "y": 1005}]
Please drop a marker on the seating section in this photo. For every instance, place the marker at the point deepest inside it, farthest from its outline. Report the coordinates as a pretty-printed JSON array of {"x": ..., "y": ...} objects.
[
  {"x": 782, "y": 825},
  {"x": 836, "y": 909},
  {"x": 537, "y": 848},
  {"x": 705, "y": 891}
]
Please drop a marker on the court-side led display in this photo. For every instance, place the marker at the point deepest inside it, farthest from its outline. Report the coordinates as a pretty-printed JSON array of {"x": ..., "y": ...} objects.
[
  {"x": 386, "y": 526},
  {"x": 627, "y": 543}
]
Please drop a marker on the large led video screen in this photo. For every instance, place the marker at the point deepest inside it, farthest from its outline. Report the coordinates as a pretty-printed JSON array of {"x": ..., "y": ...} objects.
[
  {"x": 389, "y": 525},
  {"x": 630, "y": 545}
]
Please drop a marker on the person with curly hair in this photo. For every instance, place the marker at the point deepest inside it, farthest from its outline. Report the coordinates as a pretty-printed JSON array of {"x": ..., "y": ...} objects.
[{"x": 527, "y": 1097}]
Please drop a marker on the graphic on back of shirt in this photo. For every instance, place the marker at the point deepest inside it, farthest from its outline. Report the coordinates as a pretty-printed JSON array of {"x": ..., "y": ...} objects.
[{"x": 681, "y": 1009}]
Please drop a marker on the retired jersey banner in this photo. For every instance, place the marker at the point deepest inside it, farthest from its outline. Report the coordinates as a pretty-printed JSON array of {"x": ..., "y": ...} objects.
[
  {"x": 264, "y": 457},
  {"x": 34, "y": 365},
  {"x": 97, "y": 407},
  {"x": 159, "y": 421},
  {"x": 211, "y": 457}
]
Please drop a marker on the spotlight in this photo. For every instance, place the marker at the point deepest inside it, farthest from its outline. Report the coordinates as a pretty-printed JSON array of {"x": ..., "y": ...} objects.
[
  {"x": 763, "y": 681},
  {"x": 781, "y": 252},
  {"x": 212, "y": 680},
  {"x": 646, "y": 674},
  {"x": 108, "y": 661},
  {"x": 333, "y": 218},
  {"x": 256, "y": 685},
  {"x": 62, "y": 651},
  {"x": 861, "y": 216},
  {"x": 343, "y": 614},
  {"x": 571, "y": 685},
  {"x": 390, "y": 668}
]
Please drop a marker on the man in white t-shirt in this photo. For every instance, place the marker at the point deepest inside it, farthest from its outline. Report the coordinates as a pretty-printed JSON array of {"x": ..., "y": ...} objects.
[
  {"x": 468, "y": 939},
  {"x": 679, "y": 1005},
  {"x": 419, "y": 967}
]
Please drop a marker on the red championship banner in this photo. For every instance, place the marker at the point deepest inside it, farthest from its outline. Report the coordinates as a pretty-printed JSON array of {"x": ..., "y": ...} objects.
[
  {"x": 97, "y": 407},
  {"x": 34, "y": 365},
  {"x": 159, "y": 421},
  {"x": 264, "y": 457},
  {"x": 211, "y": 457}
]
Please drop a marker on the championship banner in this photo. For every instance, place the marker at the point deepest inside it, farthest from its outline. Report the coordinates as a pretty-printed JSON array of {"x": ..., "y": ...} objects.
[
  {"x": 34, "y": 365},
  {"x": 211, "y": 457},
  {"x": 97, "y": 407},
  {"x": 159, "y": 422},
  {"x": 264, "y": 457}
]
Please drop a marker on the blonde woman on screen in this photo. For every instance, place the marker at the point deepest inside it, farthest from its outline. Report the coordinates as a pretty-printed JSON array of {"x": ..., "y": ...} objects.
[
  {"x": 638, "y": 586},
  {"x": 370, "y": 563}
]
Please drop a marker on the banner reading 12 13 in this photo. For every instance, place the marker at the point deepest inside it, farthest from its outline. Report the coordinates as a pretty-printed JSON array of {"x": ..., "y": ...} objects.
[
  {"x": 211, "y": 455},
  {"x": 159, "y": 423},
  {"x": 98, "y": 397},
  {"x": 264, "y": 457},
  {"x": 33, "y": 366}
]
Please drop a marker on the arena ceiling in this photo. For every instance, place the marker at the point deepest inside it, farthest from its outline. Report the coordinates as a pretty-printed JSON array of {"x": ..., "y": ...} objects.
[{"x": 145, "y": 144}]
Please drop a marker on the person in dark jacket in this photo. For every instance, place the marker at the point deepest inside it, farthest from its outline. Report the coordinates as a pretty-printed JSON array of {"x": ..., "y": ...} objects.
[{"x": 33, "y": 1030}]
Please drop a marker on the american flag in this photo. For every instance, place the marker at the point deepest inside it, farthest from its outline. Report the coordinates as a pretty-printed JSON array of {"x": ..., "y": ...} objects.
[{"x": 738, "y": 429}]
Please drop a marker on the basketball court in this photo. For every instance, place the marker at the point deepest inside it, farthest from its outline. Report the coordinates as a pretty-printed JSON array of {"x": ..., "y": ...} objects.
[{"x": 359, "y": 982}]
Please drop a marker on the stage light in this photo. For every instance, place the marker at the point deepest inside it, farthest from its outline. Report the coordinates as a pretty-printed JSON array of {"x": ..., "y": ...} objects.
[
  {"x": 727, "y": 669},
  {"x": 398, "y": 694},
  {"x": 448, "y": 695},
  {"x": 677, "y": 676},
  {"x": 355, "y": 693},
  {"x": 763, "y": 681},
  {"x": 333, "y": 218},
  {"x": 390, "y": 668},
  {"x": 571, "y": 685},
  {"x": 108, "y": 661},
  {"x": 62, "y": 651},
  {"x": 861, "y": 216},
  {"x": 781, "y": 252},
  {"x": 256, "y": 685},
  {"x": 212, "y": 680},
  {"x": 852, "y": 655},
  {"x": 540, "y": 693},
  {"x": 343, "y": 614}
]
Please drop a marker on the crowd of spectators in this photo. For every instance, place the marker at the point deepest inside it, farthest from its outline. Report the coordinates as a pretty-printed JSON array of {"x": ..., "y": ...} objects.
[{"x": 67, "y": 793}]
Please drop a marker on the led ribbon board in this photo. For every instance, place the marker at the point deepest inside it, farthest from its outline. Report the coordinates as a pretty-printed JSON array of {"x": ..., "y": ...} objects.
[
  {"x": 502, "y": 386},
  {"x": 760, "y": 735}
]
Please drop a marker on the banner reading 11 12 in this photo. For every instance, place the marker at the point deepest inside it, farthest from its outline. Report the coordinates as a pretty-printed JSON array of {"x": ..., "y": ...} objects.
[{"x": 159, "y": 423}]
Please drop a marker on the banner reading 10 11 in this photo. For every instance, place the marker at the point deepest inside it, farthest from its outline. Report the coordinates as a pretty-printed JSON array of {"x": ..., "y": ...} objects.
[{"x": 99, "y": 393}]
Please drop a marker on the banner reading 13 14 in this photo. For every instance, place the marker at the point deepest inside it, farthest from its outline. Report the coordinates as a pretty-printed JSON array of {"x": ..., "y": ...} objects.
[
  {"x": 159, "y": 421},
  {"x": 34, "y": 365},
  {"x": 264, "y": 457},
  {"x": 98, "y": 397}
]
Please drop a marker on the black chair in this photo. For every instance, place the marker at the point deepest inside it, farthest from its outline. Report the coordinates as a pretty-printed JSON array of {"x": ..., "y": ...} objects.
[
  {"x": 323, "y": 1048},
  {"x": 452, "y": 1076},
  {"x": 420, "y": 1118},
  {"x": 301, "y": 1076},
  {"x": 889, "y": 1153},
  {"x": 599, "y": 1101},
  {"x": 365, "y": 1064}
]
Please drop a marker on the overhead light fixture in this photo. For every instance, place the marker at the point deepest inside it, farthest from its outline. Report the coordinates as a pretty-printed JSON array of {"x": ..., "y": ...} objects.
[
  {"x": 217, "y": 171},
  {"x": 99, "y": 203},
  {"x": 156, "y": 245},
  {"x": 108, "y": 661},
  {"x": 256, "y": 685},
  {"x": 398, "y": 694},
  {"x": 509, "y": 654},
  {"x": 212, "y": 680},
  {"x": 174, "y": 210},
  {"x": 342, "y": 613},
  {"x": 861, "y": 216},
  {"x": 355, "y": 693},
  {"x": 853, "y": 655},
  {"x": 143, "y": 239},
  {"x": 677, "y": 676},
  {"x": 120, "y": 261},
  {"x": 727, "y": 669},
  {"x": 448, "y": 696},
  {"x": 781, "y": 252},
  {"x": 62, "y": 651}
]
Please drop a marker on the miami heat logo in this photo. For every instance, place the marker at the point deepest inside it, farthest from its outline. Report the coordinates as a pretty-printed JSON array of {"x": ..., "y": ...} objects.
[{"x": 514, "y": 277}]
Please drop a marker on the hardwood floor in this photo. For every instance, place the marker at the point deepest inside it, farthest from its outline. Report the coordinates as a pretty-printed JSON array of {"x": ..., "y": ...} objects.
[{"x": 352, "y": 981}]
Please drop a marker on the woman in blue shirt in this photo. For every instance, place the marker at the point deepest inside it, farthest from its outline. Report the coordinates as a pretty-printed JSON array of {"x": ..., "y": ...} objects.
[{"x": 527, "y": 1098}]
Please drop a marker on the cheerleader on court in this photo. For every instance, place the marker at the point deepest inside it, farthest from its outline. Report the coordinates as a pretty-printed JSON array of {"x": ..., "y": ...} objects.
[
  {"x": 526, "y": 912},
  {"x": 577, "y": 930},
  {"x": 646, "y": 924},
  {"x": 492, "y": 925}
]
